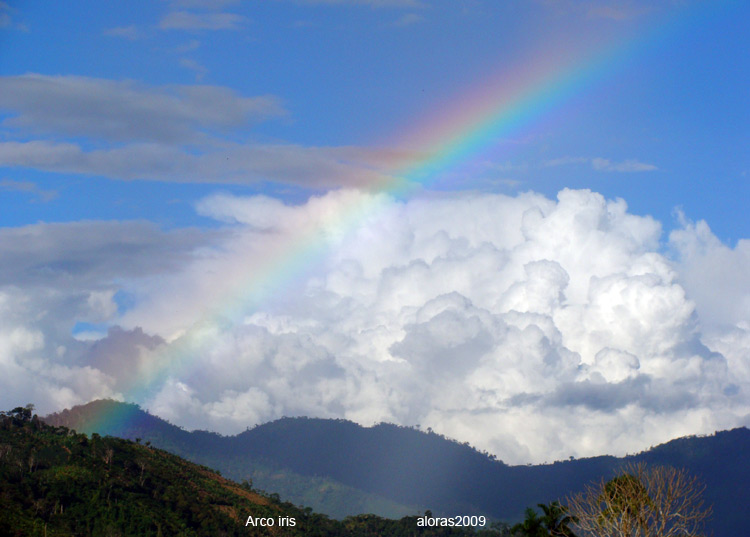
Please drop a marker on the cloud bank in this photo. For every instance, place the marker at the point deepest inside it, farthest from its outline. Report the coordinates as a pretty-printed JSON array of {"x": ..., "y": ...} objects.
[
  {"x": 180, "y": 133},
  {"x": 533, "y": 328}
]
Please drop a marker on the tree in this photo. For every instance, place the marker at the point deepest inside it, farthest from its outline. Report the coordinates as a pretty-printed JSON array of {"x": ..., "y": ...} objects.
[
  {"x": 554, "y": 522},
  {"x": 21, "y": 413},
  {"x": 531, "y": 526},
  {"x": 657, "y": 501}
]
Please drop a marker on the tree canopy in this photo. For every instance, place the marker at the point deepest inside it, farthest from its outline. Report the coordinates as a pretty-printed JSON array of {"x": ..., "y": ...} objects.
[{"x": 642, "y": 501}]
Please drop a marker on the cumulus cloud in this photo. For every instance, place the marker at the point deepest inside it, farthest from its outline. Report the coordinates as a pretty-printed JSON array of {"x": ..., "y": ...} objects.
[
  {"x": 54, "y": 276},
  {"x": 33, "y": 367},
  {"x": 475, "y": 309},
  {"x": 714, "y": 273},
  {"x": 124, "y": 355},
  {"x": 530, "y": 327}
]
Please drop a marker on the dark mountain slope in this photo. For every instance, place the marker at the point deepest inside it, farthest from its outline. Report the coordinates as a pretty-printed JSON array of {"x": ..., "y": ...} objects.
[
  {"x": 424, "y": 469},
  {"x": 723, "y": 463},
  {"x": 407, "y": 465},
  {"x": 315, "y": 489},
  {"x": 54, "y": 482},
  {"x": 413, "y": 467}
]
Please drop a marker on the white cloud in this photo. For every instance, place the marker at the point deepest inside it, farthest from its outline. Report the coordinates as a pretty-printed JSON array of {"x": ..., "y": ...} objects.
[
  {"x": 203, "y": 4},
  {"x": 372, "y": 3},
  {"x": 408, "y": 19},
  {"x": 199, "y": 69},
  {"x": 32, "y": 369},
  {"x": 127, "y": 32},
  {"x": 29, "y": 188},
  {"x": 5, "y": 15},
  {"x": 567, "y": 160},
  {"x": 186, "y": 20},
  {"x": 226, "y": 163},
  {"x": 715, "y": 275},
  {"x": 107, "y": 110},
  {"x": 613, "y": 10},
  {"x": 124, "y": 130},
  {"x": 533, "y": 328},
  {"x": 468, "y": 309},
  {"x": 77, "y": 256},
  {"x": 190, "y": 46},
  {"x": 54, "y": 276},
  {"x": 616, "y": 12},
  {"x": 604, "y": 165}
]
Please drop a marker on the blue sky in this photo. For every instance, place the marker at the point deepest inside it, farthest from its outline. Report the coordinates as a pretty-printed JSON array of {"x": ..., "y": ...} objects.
[
  {"x": 199, "y": 213},
  {"x": 356, "y": 73}
]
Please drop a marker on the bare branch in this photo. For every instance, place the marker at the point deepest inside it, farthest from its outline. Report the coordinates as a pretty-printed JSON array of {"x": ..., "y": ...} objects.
[{"x": 641, "y": 501}]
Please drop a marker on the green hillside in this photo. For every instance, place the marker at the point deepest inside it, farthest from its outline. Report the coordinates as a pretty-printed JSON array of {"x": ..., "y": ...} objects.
[
  {"x": 55, "y": 482},
  {"x": 318, "y": 462},
  {"x": 322, "y": 493}
]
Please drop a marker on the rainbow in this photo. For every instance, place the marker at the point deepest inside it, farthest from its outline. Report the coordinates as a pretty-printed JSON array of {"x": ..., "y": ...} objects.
[{"x": 506, "y": 105}]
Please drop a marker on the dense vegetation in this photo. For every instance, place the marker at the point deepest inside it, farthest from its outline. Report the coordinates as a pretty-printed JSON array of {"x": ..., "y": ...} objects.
[
  {"x": 56, "y": 482},
  {"x": 322, "y": 493},
  {"x": 305, "y": 458}
]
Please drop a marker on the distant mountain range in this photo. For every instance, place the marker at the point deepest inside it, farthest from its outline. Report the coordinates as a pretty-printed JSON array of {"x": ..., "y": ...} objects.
[
  {"x": 340, "y": 468},
  {"x": 58, "y": 484}
]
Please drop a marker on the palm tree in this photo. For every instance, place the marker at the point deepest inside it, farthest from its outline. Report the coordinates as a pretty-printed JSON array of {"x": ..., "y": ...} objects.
[
  {"x": 553, "y": 523},
  {"x": 556, "y": 520},
  {"x": 530, "y": 527}
]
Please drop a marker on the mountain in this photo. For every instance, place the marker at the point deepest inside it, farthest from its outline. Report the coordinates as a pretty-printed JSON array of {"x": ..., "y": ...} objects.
[
  {"x": 323, "y": 494},
  {"x": 54, "y": 482},
  {"x": 414, "y": 468}
]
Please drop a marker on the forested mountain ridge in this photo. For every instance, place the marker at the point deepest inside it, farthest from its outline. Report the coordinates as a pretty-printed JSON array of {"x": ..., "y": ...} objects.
[
  {"x": 320, "y": 492},
  {"x": 55, "y": 482},
  {"x": 414, "y": 468}
]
